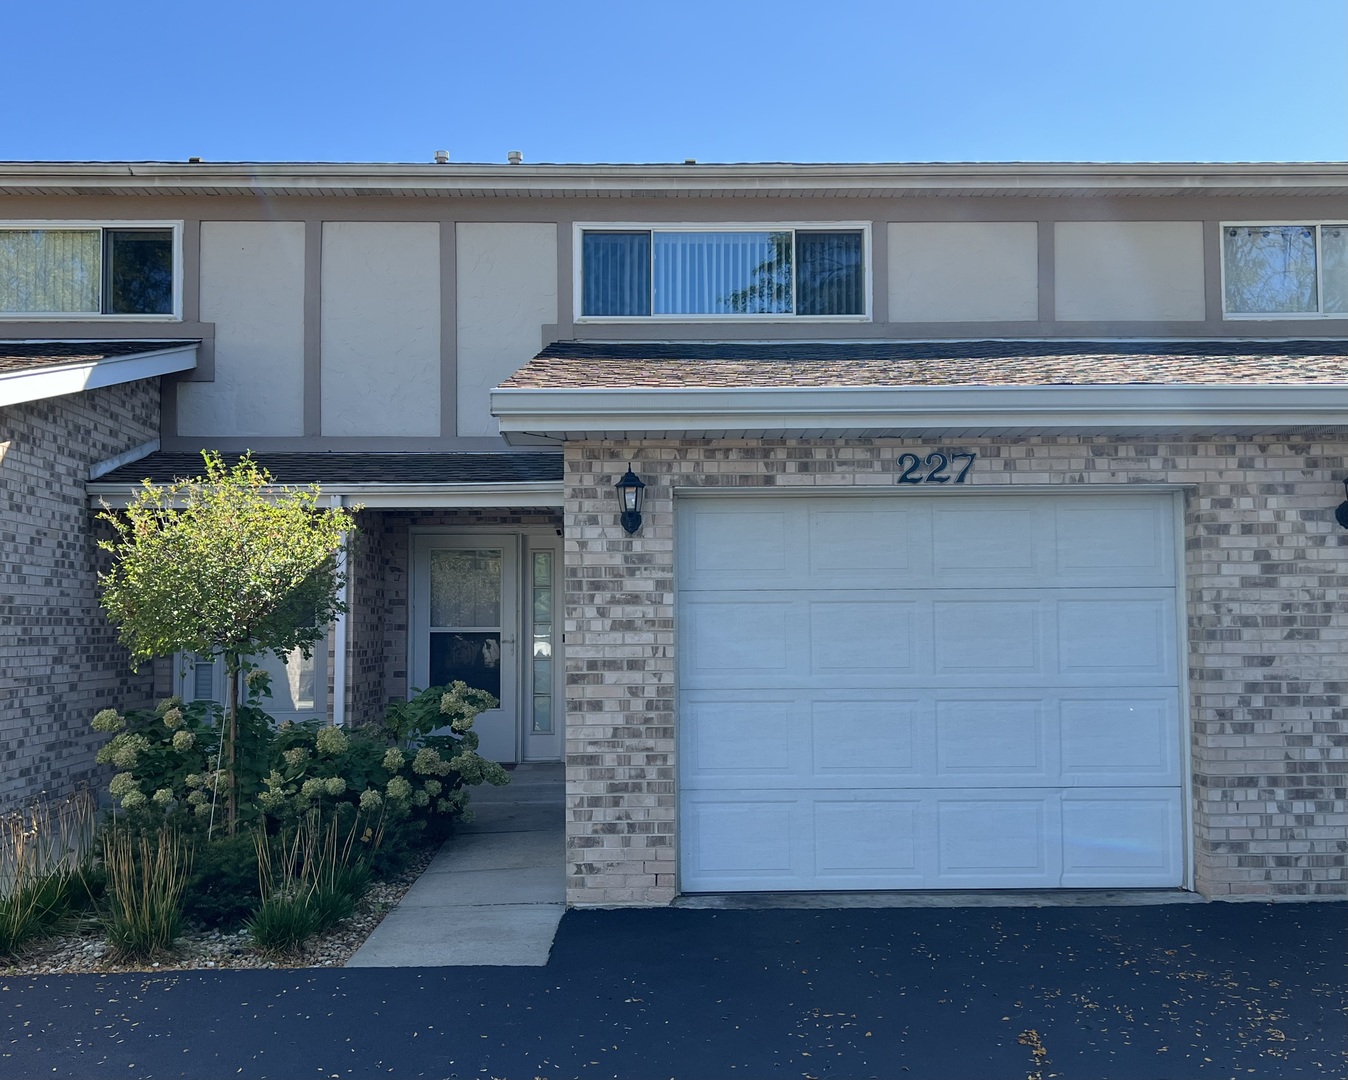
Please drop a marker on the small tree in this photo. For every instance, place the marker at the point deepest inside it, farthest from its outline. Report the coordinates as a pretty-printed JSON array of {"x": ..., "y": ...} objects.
[{"x": 228, "y": 566}]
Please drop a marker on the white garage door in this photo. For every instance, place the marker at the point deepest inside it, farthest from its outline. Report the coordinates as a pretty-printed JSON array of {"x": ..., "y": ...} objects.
[{"x": 952, "y": 692}]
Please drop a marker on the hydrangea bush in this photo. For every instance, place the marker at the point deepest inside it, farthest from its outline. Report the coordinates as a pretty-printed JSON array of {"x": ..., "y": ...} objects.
[{"x": 168, "y": 764}]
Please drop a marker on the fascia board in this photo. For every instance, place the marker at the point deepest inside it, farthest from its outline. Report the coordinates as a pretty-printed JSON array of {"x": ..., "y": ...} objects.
[
  {"x": 545, "y": 495},
  {"x": 56, "y": 380},
  {"x": 538, "y": 412}
]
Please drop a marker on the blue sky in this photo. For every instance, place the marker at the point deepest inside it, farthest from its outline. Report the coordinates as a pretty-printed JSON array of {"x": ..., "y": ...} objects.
[{"x": 622, "y": 80}]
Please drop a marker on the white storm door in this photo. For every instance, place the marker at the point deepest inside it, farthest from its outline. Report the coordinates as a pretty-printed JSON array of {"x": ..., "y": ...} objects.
[{"x": 464, "y": 626}]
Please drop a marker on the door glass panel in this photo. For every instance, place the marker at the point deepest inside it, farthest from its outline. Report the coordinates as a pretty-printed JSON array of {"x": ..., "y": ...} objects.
[
  {"x": 474, "y": 658},
  {"x": 466, "y": 588},
  {"x": 542, "y": 641}
]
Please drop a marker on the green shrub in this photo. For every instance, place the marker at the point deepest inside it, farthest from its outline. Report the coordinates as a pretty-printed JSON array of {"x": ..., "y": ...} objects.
[
  {"x": 146, "y": 878},
  {"x": 168, "y": 761},
  {"x": 45, "y": 877},
  {"x": 222, "y": 890}
]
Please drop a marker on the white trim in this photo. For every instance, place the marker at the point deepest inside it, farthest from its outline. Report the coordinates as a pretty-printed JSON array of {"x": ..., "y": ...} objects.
[
  {"x": 56, "y": 380},
  {"x": 491, "y": 180},
  {"x": 537, "y": 494},
  {"x": 527, "y": 414},
  {"x": 136, "y": 453},
  {"x": 102, "y": 224},
  {"x": 1276, "y": 316},
  {"x": 579, "y": 228},
  {"x": 1185, "y": 703}
]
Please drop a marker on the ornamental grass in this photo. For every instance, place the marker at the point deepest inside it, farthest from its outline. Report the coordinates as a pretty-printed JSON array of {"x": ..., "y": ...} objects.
[{"x": 45, "y": 879}]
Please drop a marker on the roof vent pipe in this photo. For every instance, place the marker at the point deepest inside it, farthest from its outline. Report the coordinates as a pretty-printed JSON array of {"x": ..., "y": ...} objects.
[
  {"x": 514, "y": 157},
  {"x": 442, "y": 157}
]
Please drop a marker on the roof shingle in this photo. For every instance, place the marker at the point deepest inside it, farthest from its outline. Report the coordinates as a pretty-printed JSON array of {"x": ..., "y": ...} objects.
[{"x": 717, "y": 365}]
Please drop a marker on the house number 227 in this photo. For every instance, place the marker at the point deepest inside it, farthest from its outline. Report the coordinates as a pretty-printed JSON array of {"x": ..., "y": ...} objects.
[{"x": 935, "y": 465}]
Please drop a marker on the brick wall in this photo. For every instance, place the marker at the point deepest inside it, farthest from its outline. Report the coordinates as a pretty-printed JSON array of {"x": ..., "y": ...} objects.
[
  {"x": 59, "y": 660},
  {"x": 1267, "y": 605}
]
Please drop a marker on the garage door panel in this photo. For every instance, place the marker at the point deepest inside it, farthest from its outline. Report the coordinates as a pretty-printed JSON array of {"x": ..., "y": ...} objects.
[
  {"x": 997, "y": 839},
  {"x": 862, "y": 635},
  {"x": 1120, "y": 740},
  {"x": 866, "y": 739},
  {"x": 742, "y": 741},
  {"x": 1100, "y": 541},
  {"x": 1118, "y": 634},
  {"x": 991, "y": 634},
  {"x": 712, "y": 550},
  {"x": 994, "y": 740},
  {"x": 873, "y": 548},
  {"x": 993, "y": 542},
  {"x": 740, "y": 634},
  {"x": 1119, "y": 838},
  {"x": 746, "y": 843},
  {"x": 871, "y": 841}
]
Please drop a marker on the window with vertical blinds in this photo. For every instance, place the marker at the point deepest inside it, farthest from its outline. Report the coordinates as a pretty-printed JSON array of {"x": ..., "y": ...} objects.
[
  {"x": 706, "y": 272},
  {"x": 84, "y": 269}
]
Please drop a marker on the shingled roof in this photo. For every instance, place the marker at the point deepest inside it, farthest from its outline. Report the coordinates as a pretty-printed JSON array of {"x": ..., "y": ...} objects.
[
  {"x": 339, "y": 469},
  {"x": 713, "y": 365},
  {"x": 24, "y": 356}
]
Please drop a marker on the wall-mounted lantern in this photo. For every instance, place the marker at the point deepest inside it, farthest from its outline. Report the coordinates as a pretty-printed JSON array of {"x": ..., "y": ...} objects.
[
  {"x": 630, "y": 489},
  {"x": 1341, "y": 512}
]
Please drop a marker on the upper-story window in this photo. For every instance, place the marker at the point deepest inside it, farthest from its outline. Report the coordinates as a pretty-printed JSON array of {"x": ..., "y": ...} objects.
[
  {"x": 681, "y": 272},
  {"x": 82, "y": 269},
  {"x": 1271, "y": 271}
]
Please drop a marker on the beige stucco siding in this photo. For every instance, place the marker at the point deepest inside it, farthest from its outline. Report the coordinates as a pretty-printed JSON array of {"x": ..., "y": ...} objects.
[
  {"x": 1138, "y": 270},
  {"x": 380, "y": 328},
  {"x": 507, "y": 291},
  {"x": 963, "y": 271},
  {"x": 252, "y": 288}
]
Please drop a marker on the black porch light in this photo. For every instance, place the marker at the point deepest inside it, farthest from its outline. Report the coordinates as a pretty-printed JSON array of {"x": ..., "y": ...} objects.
[
  {"x": 1341, "y": 511},
  {"x": 630, "y": 489}
]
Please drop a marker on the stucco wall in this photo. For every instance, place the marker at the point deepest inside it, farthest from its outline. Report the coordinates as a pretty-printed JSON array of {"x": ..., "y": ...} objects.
[
  {"x": 381, "y": 328},
  {"x": 59, "y": 659},
  {"x": 1266, "y": 594},
  {"x": 507, "y": 291},
  {"x": 1133, "y": 270},
  {"x": 252, "y": 288},
  {"x": 963, "y": 271}
]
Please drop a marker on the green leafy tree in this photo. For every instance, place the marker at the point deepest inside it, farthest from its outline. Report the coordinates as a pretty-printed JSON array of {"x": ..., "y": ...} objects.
[{"x": 225, "y": 565}]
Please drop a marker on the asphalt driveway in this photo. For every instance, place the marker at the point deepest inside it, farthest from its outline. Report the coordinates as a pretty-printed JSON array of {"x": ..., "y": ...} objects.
[{"x": 1174, "y": 991}]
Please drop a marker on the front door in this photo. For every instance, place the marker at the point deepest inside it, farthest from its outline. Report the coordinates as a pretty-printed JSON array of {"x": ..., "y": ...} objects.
[{"x": 464, "y": 626}]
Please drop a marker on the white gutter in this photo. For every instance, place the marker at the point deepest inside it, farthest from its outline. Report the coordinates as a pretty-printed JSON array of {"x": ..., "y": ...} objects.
[
  {"x": 543, "y": 494},
  {"x": 54, "y": 380},
  {"x": 571, "y": 179},
  {"x": 530, "y": 415}
]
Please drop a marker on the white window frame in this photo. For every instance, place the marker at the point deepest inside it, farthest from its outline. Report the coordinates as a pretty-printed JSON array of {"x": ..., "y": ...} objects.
[
  {"x": 579, "y": 229},
  {"x": 1319, "y": 270},
  {"x": 103, "y": 224}
]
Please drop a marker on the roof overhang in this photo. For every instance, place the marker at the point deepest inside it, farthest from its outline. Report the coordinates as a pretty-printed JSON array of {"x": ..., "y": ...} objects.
[
  {"x": 533, "y": 416},
  {"x": 54, "y": 380},
  {"x": 769, "y": 179}
]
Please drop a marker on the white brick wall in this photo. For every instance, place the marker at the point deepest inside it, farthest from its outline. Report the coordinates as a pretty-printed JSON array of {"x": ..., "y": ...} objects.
[{"x": 1267, "y": 605}]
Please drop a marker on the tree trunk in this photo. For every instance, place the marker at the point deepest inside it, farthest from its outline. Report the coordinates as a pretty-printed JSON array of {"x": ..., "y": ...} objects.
[{"x": 231, "y": 743}]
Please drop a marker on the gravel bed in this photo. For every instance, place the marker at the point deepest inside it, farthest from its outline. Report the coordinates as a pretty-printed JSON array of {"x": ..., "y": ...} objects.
[{"x": 83, "y": 949}]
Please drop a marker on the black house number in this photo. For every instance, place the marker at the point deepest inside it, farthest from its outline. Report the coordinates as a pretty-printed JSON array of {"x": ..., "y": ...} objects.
[{"x": 934, "y": 468}]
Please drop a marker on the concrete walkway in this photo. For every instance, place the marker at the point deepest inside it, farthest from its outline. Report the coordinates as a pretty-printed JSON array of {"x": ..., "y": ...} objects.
[{"x": 494, "y": 893}]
